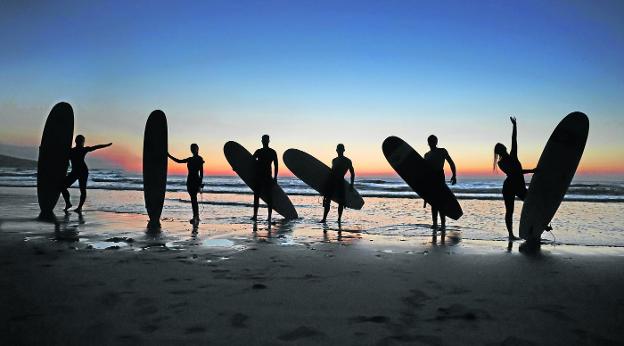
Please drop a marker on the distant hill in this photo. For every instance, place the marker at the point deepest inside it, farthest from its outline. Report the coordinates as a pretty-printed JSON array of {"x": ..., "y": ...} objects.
[{"x": 10, "y": 161}]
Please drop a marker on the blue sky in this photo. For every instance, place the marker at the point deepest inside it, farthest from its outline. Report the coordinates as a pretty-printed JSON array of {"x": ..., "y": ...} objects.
[{"x": 313, "y": 74}]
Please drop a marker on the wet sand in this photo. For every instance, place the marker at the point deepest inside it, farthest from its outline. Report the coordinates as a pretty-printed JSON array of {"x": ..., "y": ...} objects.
[{"x": 268, "y": 287}]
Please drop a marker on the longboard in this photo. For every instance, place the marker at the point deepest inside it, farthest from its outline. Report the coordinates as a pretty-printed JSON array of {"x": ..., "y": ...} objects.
[
  {"x": 416, "y": 172},
  {"x": 555, "y": 170},
  {"x": 244, "y": 164},
  {"x": 316, "y": 174},
  {"x": 53, "y": 158},
  {"x": 155, "y": 165}
]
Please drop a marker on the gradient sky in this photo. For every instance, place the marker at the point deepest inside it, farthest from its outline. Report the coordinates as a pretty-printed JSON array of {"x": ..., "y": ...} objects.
[{"x": 313, "y": 74}]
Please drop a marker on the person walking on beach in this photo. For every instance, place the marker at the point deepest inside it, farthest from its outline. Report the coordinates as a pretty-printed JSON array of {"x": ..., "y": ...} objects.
[
  {"x": 79, "y": 171},
  {"x": 194, "y": 179},
  {"x": 514, "y": 185},
  {"x": 264, "y": 181},
  {"x": 436, "y": 158},
  {"x": 335, "y": 184}
]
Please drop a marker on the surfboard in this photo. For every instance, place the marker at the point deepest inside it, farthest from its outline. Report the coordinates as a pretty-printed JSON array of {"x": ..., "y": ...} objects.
[
  {"x": 53, "y": 158},
  {"x": 155, "y": 165},
  {"x": 244, "y": 164},
  {"x": 555, "y": 169},
  {"x": 416, "y": 172},
  {"x": 316, "y": 174}
]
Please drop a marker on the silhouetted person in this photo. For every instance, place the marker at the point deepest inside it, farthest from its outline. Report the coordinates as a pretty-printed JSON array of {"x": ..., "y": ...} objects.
[
  {"x": 79, "y": 171},
  {"x": 194, "y": 184},
  {"x": 436, "y": 157},
  {"x": 335, "y": 185},
  {"x": 264, "y": 181},
  {"x": 514, "y": 184}
]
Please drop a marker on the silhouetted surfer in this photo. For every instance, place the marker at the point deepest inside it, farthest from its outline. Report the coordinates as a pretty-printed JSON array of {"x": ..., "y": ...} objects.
[
  {"x": 335, "y": 185},
  {"x": 79, "y": 171},
  {"x": 514, "y": 184},
  {"x": 436, "y": 157},
  {"x": 194, "y": 184},
  {"x": 264, "y": 180}
]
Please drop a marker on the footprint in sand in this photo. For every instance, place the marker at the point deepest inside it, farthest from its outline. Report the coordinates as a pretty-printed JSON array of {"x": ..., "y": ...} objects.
[
  {"x": 301, "y": 333},
  {"x": 238, "y": 320},
  {"x": 460, "y": 312},
  {"x": 371, "y": 319}
]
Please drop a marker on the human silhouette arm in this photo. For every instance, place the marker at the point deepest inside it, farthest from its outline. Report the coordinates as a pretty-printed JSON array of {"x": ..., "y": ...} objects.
[
  {"x": 352, "y": 172},
  {"x": 99, "y": 146},
  {"x": 514, "y": 138},
  {"x": 528, "y": 171},
  {"x": 201, "y": 175},
  {"x": 453, "y": 170},
  {"x": 276, "y": 167},
  {"x": 176, "y": 159}
]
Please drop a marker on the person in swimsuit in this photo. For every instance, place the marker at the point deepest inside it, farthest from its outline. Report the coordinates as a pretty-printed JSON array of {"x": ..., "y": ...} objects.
[
  {"x": 79, "y": 171},
  {"x": 436, "y": 158},
  {"x": 264, "y": 181},
  {"x": 335, "y": 184},
  {"x": 514, "y": 185},
  {"x": 194, "y": 179}
]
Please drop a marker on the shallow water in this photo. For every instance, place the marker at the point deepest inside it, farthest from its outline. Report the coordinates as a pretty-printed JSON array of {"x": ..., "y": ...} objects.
[{"x": 225, "y": 221}]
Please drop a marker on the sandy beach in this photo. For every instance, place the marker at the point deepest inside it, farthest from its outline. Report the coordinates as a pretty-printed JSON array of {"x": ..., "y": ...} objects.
[{"x": 226, "y": 284}]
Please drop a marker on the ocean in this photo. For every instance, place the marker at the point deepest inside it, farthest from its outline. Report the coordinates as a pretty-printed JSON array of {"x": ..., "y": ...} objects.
[{"x": 591, "y": 214}]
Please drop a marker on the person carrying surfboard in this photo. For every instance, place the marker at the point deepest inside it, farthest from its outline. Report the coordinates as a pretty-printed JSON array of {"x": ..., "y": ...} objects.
[
  {"x": 264, "y": 181},
  {"x": 436, "y": 157},
  {"x": 194, "y": 179},
  {"x": 79, "y": 171},
  {"x": 514, "y": 185},
  {"x": 335, "y": 184}
]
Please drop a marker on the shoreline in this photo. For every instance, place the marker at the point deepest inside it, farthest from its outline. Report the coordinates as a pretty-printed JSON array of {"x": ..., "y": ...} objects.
[{"x": 103, "y": 277}]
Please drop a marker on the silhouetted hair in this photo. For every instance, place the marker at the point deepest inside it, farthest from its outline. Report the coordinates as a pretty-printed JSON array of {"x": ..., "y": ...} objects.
[
  {"x": 340, "y": 147},
  {"x": 194, "y": 147},
  {"x": 499, "y": 147},
  {"x": 80, "y": 138},
  {"x": 432, "y": 140},
  {"x": 265, "y": 138}
]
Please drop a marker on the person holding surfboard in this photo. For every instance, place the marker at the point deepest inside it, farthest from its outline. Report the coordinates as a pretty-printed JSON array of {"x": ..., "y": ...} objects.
[
  {"x": 335, "y": 184},
  {"x": 194, "y": 179},
  {"x": 514, "y": 185},
  {"x": 79, "y": 171},
  {"x": 265, "y": 157},
  {"x": 436, "y": 158}
]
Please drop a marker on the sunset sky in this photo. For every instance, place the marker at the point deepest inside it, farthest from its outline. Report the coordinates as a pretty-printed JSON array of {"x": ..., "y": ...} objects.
[{"x": 313, "y": 74}]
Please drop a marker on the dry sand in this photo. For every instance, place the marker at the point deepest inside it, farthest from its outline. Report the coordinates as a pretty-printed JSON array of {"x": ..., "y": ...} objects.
[{"x": 357, "y": 290}]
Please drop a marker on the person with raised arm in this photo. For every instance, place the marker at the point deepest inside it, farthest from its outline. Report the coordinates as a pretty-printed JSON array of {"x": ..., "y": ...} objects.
[{"x": 514, "y": 185}]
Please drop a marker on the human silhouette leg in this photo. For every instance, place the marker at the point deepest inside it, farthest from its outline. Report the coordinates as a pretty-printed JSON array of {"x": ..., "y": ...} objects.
[
  {"x": 195, "y": 206},
  {"x": 434, "y": 217},
  {"x": 82, "y": 183},
  {"x": 269, "y": 202},
  {"x": 340, "y": 209},
  {"x": 326, "y": 206},
  {"x": 69, "y": 180},
  {"x": 509, "y": 209},
  {"x": 255, "y": 206}
]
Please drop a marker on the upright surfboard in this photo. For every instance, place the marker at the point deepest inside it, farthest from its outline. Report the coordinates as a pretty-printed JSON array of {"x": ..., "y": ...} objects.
[
  {"x": 53, "y": 158},
  {"x": 316, "y": 174},
  {"x": 420, "y": 176},
  {"x": 555, "y": 170},
  {"x": 244, "y": 164},
  {"x": 155, "y": 165}
]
